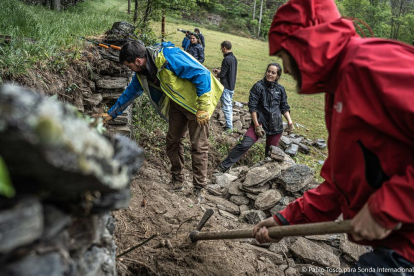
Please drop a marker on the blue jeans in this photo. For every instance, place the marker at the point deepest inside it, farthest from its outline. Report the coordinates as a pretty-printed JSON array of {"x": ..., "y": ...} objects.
[
  {"x": 381, "y": 262},
  {"x": 227, "y": 107}
]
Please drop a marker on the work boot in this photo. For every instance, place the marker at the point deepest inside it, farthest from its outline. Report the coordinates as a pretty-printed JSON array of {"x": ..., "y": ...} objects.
[{"x": 176, "y": 184}]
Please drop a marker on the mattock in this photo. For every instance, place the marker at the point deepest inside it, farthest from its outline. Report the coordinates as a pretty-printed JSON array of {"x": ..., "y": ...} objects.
[{"x": 309, "y": 229}]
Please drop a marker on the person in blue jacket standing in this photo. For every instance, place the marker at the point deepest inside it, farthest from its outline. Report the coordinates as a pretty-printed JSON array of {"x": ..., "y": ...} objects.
[
  {"x": 186, "y": 40},
  {"x": 183, "y": 92}
]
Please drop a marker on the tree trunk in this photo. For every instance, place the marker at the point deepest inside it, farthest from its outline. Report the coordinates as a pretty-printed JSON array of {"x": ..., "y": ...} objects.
[
  {"x": 254, "y": 9},
  {"x": 147, "y": 12},
  {"x": 163, "y": 26},
  {"x": 129, "y": 6},
  {"x": 56, "y": 5},
  {"x": 136, "y": 11},
  {"x": 260, "y": 17}
]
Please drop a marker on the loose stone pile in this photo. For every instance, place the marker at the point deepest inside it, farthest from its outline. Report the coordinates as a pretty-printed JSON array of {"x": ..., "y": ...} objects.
[
  {"x": 67, "y": 178},
  {"x": 253, "y": 194}
]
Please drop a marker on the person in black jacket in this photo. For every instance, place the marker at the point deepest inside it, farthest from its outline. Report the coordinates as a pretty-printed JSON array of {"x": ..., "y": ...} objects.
[
  {"x": 201, "y": 36},
  {"x": 195, "y": 48},
  {"x": 267, "y": 103},
  {"x": 227, "y": 74}
]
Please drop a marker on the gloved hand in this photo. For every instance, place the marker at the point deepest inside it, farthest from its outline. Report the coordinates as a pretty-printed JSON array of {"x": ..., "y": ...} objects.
[
  {"x": 202, "y": 117},
  {"x": 259, "y": 131},
  {"x": 290, "y": 128},
  {"x": 105, "y": 117}
]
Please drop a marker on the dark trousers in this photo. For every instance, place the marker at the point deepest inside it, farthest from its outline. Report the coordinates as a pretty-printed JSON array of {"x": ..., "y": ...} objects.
[
  {"x": 381, "y": 262},
  {"x": 246, "y": 143},
  {"x": 181, "y": 120}
]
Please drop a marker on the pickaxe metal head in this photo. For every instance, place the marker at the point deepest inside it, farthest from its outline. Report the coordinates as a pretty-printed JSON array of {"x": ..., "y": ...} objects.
[{"x": 201, "y": 224}]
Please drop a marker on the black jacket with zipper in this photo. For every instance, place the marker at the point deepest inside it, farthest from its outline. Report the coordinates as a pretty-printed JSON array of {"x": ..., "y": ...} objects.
[
  {"x": 269, "y": 101},
  {"x": 197, "y": 51}
]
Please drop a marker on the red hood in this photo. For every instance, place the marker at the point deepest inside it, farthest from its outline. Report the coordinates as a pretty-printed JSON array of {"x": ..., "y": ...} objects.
[{"x": 314, "y": 33}]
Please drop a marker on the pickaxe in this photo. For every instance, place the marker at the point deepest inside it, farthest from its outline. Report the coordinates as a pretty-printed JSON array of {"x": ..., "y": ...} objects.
[{"x": 309, "y": 229}]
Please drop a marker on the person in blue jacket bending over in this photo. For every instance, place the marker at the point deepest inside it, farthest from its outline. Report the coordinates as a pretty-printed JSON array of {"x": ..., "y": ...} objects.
[{"x": 183, "y": 92}]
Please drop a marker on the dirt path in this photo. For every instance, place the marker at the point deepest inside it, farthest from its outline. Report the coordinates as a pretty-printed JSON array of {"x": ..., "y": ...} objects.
[{"x": 174, "y": 216}]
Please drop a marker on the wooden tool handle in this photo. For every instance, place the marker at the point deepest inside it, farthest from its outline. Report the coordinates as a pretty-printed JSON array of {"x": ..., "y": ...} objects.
[
  {"x": 103, "y": 45},
  {"x": 320, "y": 228},
  {"x": 116, "y": 47}
]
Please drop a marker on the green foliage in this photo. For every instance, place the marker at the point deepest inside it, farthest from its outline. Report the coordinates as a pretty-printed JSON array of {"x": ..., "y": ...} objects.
[
  {"x": 6, "y": 187},
  {"x": 150, "y": 129},
  {"x": 42, "y": 37}
]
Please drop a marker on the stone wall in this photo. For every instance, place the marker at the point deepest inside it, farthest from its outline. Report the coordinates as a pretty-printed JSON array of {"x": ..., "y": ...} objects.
[{"x": 67, "y": 179}]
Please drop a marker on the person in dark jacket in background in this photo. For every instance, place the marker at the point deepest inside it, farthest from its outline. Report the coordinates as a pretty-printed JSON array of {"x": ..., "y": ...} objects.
[
  {"x": 227, "y": 74},
  {"x": 201, "y": 36},
  {"x": 195, "y": 48},
  {"x": 267, "y": 103}
]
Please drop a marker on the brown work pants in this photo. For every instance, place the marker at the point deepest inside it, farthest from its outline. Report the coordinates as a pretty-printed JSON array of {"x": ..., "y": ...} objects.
[{"x": 180, "y": 120}]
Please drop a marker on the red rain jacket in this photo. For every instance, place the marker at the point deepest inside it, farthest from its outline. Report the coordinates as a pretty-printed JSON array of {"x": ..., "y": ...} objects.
[{"x": 369, "y": 108}]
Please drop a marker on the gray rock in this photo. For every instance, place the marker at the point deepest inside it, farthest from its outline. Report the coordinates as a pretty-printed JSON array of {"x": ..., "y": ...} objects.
[
  {"x": 223, "y": 204},
  {"x": 21, "y": 224},
  {"x": 93, "y": 99},
  {"x": 53, "y": 154},
  {"x": 239, "y": 200},
  {"x": 34, "y": 265},
  {"x": 252, "y": 216},
  {"x": 277, "y": 153},
  {"x": 252, "y": 196},
  {"x": 235, "y": 117},
  {"x": 287, "y": 163},
  {"x": 224, "y": 179},
  {"x": 234, "y": 189},
  {"x": 279, "y": 247},
  {"x": 257, "y": 176},
  {"x": 255, "y": 190},
  {"x": 292, "y": 150},
  {"x": 267, "y": 200},
  {"x": 275, "y": 258},
  {"x": 238, "y": 104},
  {"x": 313, "y": 253},
  {"x": 238, "y": 170},
  {"x": 303, "y": 148},
  {"x": 112, "y": 83},
  {"x": 295, "y": 178},
  {"x": 238, "y": 125},
  {"x": 285, "y": 142},
  {"x": 320, "y": 144},
  {"x": 244, "y": 208},
  {"x": 227, "y": 215},
  {"x": 353, "y": 250},
  {"x": 54, "y": 221},
  {"x": 216, "y": 190}
]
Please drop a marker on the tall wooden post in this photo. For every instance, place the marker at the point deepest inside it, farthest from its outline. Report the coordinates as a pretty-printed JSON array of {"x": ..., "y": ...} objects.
[{"x": 163, "y": 26}]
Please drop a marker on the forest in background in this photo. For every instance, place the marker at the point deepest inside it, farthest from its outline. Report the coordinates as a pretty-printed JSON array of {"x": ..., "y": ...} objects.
[{"x": 392, "y": 19}]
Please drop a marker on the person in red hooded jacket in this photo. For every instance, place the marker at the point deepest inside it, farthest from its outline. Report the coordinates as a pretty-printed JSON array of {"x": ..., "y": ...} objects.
[{"x": 369, "y": 113}]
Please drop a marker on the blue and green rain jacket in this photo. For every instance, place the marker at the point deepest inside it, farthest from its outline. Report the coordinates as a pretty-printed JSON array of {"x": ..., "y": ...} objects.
[{"x": 182, "y": 80}]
